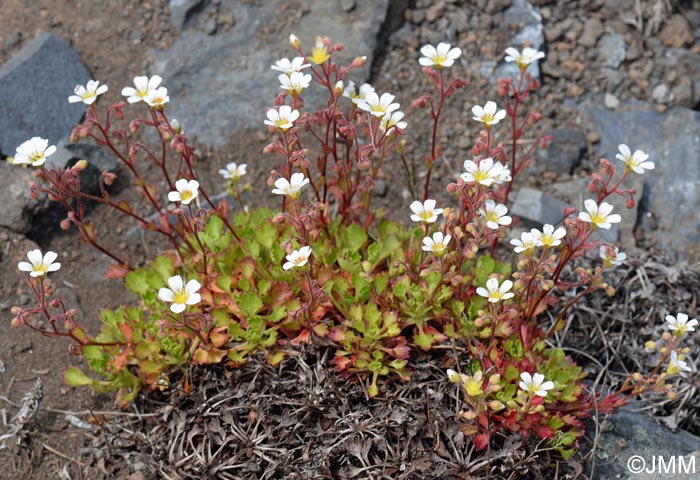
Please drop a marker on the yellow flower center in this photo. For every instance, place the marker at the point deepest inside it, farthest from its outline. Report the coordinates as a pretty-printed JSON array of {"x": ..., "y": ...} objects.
[
  {"x": 186, "y": 195},
  {"x": 487, "y": 117},
  {"x": 36, "y": 156},
  {"x": 426, "y": 215},
  {"x": 299, "y": 260},
  {"x": 41, "y": 268},
  {"x": 180, "y": 297},
  {"x": 319, "y": 55},
  {"x": 492, "y": 216},
  {"x": 480, "y": 175},
  {"x": 438, "y": 60},
  {"x": 88, "y": 95},
  {"x": 474, "y": 387},
  {"x": 597, "y": 218}
]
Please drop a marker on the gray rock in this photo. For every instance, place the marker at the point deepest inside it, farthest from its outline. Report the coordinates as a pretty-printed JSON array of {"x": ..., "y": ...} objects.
[
  {"x": 568, "y": 148},
  {"x": 611, "y": 50},
  {"x": 611, "y": 101},
  {"x": 528, "y": 21},
  {"x": 672, "y": 190},
  {"x": 210, "y": 26},
  {"x": 592, "y": 30},
  {"x": 687, "y": 63},
  {"x": 661, "y": 94},
  {"x": 535, "y": 208},
  {"x": 218, "y": 84},
  {"x": 16, "y": 211},
  {"x": 627, "y": 434},
  {"x": 34, "y": 88},
  {"x": 180, "y": 11}
]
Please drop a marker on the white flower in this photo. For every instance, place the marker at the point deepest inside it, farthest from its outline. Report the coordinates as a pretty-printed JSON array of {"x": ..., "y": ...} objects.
[
  {"x": 291, "y": 188},
  {"x": 144, "y": 86},
  {"x": 297, "y": 258},
  {"x": 488, "y": 115},
  {"x": 378, "y": 106},
  {"x": 186, "y": 191},
  {"x": 535, "y": 384},
  {"x": 612, "y": 257},
  {"x": 393, "y": 120},
  {"x": 635, "y": 162},
  {"x": 524, "y": 59},
  {"x": 680, "y": 323},
  {"x": 34, "y": 151},
  {"x": 599, "y": 216},
  {"x": 495, "y": 214},
  {"x": 295, "y": 82},
  {"x": 285, "y": 66},
  {"x": 442, "y": 56},
  {"x": 87, "y": 94},
  {"x": 283, "y": 118},
  {"x": 233, "y": 171},
  {"x": 548, "y": 237},
  {"x": 356, "y": 95},
  {"x": 526, "y": 243},
  {"x": 486, "y": 172},
  {"x": 157, "y": 98},
  {"x": 179, "y": 294},
  {"x": 39, "y": 265},
  {"x": 677, "y": 365},
  {"x": 425, "y": 212},
  {"x": 436, "y": 244},
  {"x": 494, "y": 292}
]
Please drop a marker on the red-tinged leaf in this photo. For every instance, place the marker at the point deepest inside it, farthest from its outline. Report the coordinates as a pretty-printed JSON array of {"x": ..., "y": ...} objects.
[
  {"x": 337, "y": 334},
  {"x": 543, "y": 431},
  {"x": 116, "y": 271},
  {"x": 341, "y": 362},
  {"x": 303, "y": 337},
  {"x": 280, "y": 294},
  {"x": 219, "y": 339},
  {"x": 481, "y": 441},
  {"x": 204, "y": 357},
  {"x": 127, "y": 331},
  {"x": 321, "y": 330}
]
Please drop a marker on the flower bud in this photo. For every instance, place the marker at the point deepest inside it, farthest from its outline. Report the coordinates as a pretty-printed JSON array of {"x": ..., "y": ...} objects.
[
  {"x": 338, "y": 88},
  {"x": 65, "y": 224},
  {"x": 80, "y": 165},
  {"x": 496, "y": 406},
  {"x": 650, "y": 345},
  {"x": 16, "y": 322},
  {"x": 294, "y": 42},
  {"x": 469, "y": 415},
  {"x": 84, "y": 131},
  {"x": 452, "y": 376},
  {"x": 666, "y": 336},
  {"x": 638, "y": 377},
  {"x": 358, "y": 62},
  {"x": 630, "y": 203},
  {"x": 175, "y": 124}
]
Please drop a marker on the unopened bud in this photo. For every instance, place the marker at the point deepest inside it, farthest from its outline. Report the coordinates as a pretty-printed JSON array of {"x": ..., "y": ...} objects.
[
  {"x": 638, "y": 377},
  {"x": 338, "y": 88},
  {"x": 469, "y": 415},
  {"x": 666, "y": 336},
  {"x": 80, "y": 165},
  {"x": 16, "y": 322},
  {"x": 358, "y": 62},
  {"x": 452, "y": 376},
  {"x": 630, "y": 203},
  {"x": 650, "y": 345},
  {"x": 496, "y": 406},
  {"x": 65, "y": 224},
  {"x": 84, "y": 132},
  {"x": 177, "y": 128},
  {"x": 294, "y": 42}
]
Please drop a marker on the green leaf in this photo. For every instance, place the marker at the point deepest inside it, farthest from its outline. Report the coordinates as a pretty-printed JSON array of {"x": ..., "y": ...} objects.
[
  {"x": 137, "y": 282},
  {"x": 354, "y": 237},
  {"x": 76, "y": 378},
  {"x": 249, "y": 303},
  {"x": 485, "y": 266},
  {"x": 163, "y": 266}
]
